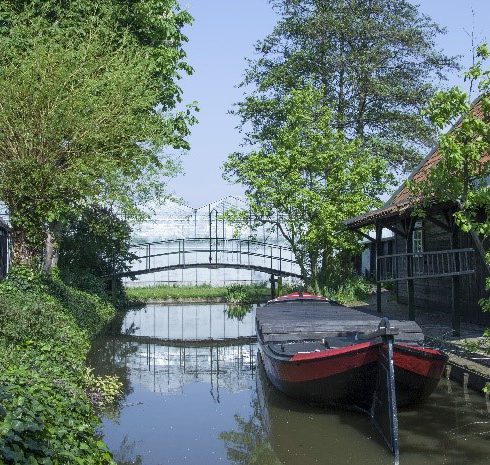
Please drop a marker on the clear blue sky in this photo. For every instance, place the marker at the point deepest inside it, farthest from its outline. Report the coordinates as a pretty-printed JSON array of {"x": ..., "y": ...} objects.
[{"x": 220, "y": 39}]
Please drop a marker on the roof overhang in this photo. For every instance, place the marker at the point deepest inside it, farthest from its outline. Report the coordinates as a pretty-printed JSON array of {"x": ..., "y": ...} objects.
[
  {"x": 391, "y": 214},
  {"x": 385, "y": 214}
]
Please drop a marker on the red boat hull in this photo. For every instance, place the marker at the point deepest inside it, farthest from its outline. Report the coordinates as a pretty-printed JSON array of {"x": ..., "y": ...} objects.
[{"x": 347, "y": 376}]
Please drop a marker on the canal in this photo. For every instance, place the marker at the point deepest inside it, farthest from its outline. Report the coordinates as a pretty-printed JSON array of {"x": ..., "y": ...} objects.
[{"x": 190, "y": 400}]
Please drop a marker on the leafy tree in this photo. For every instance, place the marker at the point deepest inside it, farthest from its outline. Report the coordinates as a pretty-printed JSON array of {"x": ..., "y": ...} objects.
[
  {"x": 462, "y": 174},
  {"x": 375, "y": 61},
  {"x": 94, "y": 246},
  {"x": 155, "y": 25},
  {"x": 85, "y": 112},
  {"x": 306, "y": 180}
]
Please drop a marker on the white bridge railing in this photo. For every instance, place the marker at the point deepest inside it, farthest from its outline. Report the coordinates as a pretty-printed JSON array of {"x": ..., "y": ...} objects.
[{"x": 214, "y": 252}]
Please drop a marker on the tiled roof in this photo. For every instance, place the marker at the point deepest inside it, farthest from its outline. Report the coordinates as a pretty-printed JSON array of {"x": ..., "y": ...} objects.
[{"x": 400, "y": 201}]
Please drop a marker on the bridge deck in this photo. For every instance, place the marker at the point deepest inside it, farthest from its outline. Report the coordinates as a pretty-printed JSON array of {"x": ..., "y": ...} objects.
[{"x": 243, "y": 266}]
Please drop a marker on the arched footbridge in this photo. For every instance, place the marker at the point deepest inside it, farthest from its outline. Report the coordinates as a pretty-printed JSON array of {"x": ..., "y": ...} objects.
[{"x": 212, "y": 253}]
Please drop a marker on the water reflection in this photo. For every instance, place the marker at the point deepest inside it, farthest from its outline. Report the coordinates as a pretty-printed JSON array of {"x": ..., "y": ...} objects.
[
  {"x": 178, "y": 399},
  {"x": 239, "y": 311},
  {"x": 452, "y": 428},
  {"x": 284, "y": 431},
  {"x": 190, "y": 322},
  {"x": 213, "y": 404}
]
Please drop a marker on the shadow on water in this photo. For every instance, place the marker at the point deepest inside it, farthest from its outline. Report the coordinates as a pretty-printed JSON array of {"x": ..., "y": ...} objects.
[{"x": 208, "y": 404}]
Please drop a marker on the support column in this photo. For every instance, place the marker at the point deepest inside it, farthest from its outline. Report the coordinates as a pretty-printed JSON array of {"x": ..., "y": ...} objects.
[
  {"x": 379, "y": 252},
  {"x": 410, "y": 282},
  {"x": 273, "y": 286},
  {"x": 455, "y": 286}
]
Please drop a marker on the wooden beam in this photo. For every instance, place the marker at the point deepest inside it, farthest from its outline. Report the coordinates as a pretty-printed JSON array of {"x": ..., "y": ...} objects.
[
  {"x": 441, "y": 224},
  {"x": 481, "y": 250},
  {"x": 396, "y": 230},
  {"x": 455, "y": 287},
  {"x": 379, "y": 252},
  {"x": 273, "y": 286},
  {"x": 366, "y": 236},
  {"x": 410, "y": 282}
]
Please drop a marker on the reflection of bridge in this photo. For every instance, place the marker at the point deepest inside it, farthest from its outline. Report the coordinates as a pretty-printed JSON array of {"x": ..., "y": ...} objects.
[
  {"x": 213, "y": 253},
  {"x": 167, "y": 369}
]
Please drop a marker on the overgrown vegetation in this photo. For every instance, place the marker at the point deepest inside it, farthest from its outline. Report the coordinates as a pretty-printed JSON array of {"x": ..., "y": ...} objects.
[
  {"x": 46, "y": 328},
  {"x": 249, "y": 293},
  {"x": 89, "y": 94}
]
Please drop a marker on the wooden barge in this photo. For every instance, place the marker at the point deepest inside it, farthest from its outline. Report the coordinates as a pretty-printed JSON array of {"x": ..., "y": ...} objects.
[
  {"x": 323, "y": 352},
  {"x": 316, "y": 349}
]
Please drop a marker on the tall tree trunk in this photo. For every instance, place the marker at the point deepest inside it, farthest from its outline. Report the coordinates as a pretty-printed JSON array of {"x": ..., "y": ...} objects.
[
  {"x": 51, "y": 251},
  {"x": 314, "y": 284}
]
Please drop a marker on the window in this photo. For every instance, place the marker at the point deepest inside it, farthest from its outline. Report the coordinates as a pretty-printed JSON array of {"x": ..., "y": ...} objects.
[{"x": 418, "y": 245}]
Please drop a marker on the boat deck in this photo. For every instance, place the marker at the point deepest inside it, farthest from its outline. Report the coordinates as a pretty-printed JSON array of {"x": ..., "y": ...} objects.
[{"x": 329, "y": 323}]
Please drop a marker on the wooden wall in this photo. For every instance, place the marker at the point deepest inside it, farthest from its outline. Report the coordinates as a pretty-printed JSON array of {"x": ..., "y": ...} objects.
[{"x": 435, "y": 294}]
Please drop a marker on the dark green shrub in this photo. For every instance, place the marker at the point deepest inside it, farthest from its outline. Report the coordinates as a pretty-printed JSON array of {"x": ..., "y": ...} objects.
[
  {"x": 45, "y": 331},
  {"x": 45, "y": 417}
]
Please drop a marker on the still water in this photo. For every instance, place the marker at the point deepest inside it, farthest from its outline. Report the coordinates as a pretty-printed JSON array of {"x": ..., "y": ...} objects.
[{"x": 210, "y": 403}]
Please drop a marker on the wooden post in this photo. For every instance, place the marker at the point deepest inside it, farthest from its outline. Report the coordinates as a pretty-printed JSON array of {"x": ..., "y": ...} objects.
[
  {"x": 379, "y": 252},
  {"x": 273, "y": 287},
  {"x": 455, "y": 286},
  {"x": 279, "y": 285},
  {"x": 114, "y": 289},
  {"x": 410, "y": 282},
  {"x": 383, "y": 410}
]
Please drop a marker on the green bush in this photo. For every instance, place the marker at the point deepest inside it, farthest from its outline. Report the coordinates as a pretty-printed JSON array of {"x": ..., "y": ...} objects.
[
  {"x": 46, "y": 328},
  {"x": 353, "y": 289},
  {"x": 45, "y": 416},
  {"x": 242, "y": 294},
  {"x": 236, "y": 294}
]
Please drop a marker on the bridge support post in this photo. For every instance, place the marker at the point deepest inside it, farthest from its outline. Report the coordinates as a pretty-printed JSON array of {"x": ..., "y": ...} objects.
[{"x": 273, "y": 286}]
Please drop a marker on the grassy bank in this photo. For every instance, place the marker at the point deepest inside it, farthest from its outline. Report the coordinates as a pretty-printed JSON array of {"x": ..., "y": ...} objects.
[
  {"x": 246, "y": 293},
  {"x": 46, "y": 416}
]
